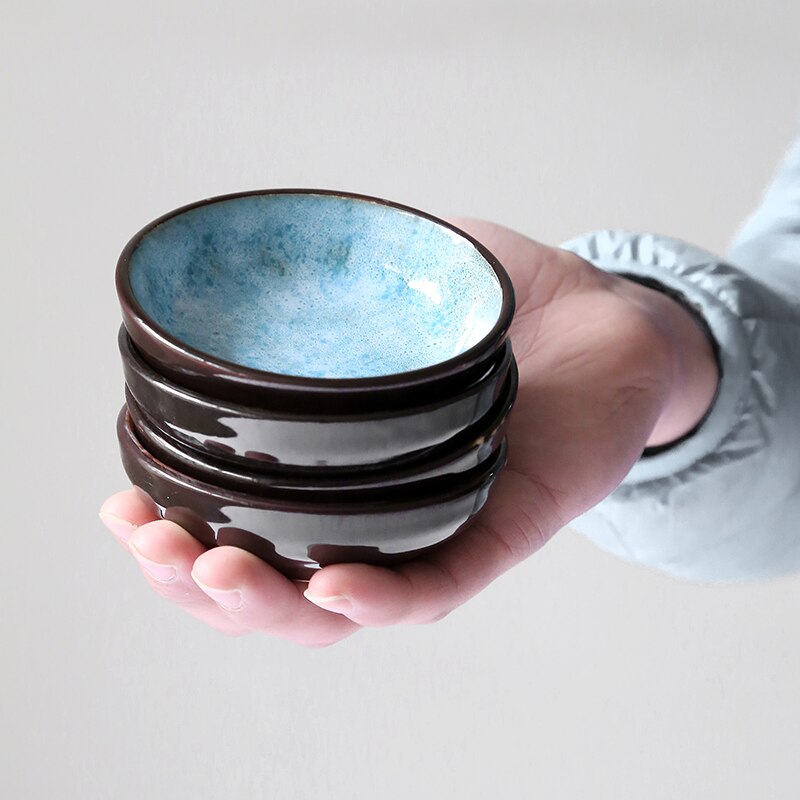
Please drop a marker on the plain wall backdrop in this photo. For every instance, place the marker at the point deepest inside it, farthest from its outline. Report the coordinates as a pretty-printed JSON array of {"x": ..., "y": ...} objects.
[{"x": 573, "y": 676}]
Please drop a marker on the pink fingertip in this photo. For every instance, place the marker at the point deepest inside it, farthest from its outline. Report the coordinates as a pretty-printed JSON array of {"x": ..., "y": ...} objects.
[{"x": 119, "y": 527}]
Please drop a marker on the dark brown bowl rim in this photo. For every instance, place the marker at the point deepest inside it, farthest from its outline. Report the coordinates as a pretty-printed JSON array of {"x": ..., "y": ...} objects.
[
  {"x": 342, "y": 479},
  {"x": 220, "y": 369},
  {"x": 136, "y": 361},
  {"x": 146, "y": 461}
]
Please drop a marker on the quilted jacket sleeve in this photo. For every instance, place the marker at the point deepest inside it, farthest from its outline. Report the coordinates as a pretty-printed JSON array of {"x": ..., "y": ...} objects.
[{"x": 723, "y": 504}]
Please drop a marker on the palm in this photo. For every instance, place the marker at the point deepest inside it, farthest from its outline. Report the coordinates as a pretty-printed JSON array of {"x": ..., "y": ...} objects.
[
  {"x": 591, "y": 387},
  {"x": 591, "y": 379}
]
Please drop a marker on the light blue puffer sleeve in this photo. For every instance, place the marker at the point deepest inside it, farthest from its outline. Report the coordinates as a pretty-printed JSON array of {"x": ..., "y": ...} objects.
[{"x": 724, "y": 504}]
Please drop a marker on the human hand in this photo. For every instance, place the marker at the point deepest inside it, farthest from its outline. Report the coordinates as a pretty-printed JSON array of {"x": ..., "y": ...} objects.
[{"x": 606, "y": 367}]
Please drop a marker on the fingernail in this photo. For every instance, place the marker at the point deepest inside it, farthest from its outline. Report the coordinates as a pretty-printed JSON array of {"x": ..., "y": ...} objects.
[
  {"x": 119, "y": 527},
  {"x": 339, "y": 603},
  {"x": 228, "y": 599},
  {"x": 163, "y": 573}
]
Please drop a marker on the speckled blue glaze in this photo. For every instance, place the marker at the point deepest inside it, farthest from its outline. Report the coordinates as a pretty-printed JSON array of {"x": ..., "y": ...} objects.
[{"x": 315, "y": 285}]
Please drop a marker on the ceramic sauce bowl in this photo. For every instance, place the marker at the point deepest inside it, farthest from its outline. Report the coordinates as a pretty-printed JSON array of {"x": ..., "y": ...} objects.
[
  {"x": 301, "y": 534},
  {"x": 247, "y": 434},
  {"x": 449, "y": 461},
  {"x": 313, "y": 302}
]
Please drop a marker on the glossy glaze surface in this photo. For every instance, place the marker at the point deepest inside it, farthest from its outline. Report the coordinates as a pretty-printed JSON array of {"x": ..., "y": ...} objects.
[
  {"x": 446, "y": 464},
  {"x": 245, "y": 434},
  {"x": 315, "y": 285},
  {"x": 298, "y": 538},
  {"x": 414, "y": 347}
]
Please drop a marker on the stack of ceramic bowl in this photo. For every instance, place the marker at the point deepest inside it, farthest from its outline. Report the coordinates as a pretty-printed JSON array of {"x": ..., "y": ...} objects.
[{"x": 316, "y": 377}]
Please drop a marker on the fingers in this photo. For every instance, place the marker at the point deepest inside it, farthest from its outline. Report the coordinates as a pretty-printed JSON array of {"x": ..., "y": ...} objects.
[
  {"x": 234, "y": 591},
  {"x": 257, "y": 597},
  {"x": 125, "y": 511},
  {"x": 227, "y": 588},
  {"x": 166, "y": 554},
  {"x": 427, "y": 589}
]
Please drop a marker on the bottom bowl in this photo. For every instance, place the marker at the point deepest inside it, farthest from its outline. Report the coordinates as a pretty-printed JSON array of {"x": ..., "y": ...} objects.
[{"x": 299, "y": 536}]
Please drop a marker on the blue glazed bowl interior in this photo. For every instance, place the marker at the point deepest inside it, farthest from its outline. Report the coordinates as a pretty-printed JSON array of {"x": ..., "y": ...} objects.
[{"x": 314, "y": 285}]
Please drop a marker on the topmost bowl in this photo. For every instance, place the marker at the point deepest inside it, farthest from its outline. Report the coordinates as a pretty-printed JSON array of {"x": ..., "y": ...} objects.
[{"x": 313, "y": 300}]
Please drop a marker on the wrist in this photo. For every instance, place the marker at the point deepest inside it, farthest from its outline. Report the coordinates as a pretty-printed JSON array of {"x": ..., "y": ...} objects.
[{"x": 693, "y": 364}]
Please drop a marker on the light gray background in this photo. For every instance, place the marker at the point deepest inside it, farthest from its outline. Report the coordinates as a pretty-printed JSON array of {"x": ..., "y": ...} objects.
[{"x": 573, "y": 676}]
